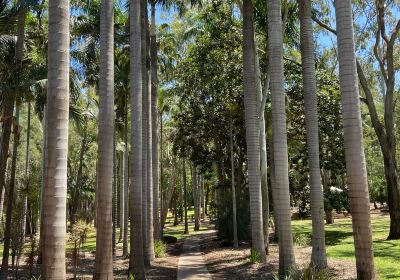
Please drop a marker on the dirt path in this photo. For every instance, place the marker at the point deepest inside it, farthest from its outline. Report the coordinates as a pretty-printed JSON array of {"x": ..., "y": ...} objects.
[{"x": 191, "y": 265}]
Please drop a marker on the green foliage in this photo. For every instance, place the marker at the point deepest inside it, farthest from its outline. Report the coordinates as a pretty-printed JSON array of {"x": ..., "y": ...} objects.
[
  {"x": 308, "y": 273},
  {"x": 301, "y": 239},
  {"x": 224, "y": 215},
  {"x": 255, "y": 256},
  {"x": 160, "y": 249}
]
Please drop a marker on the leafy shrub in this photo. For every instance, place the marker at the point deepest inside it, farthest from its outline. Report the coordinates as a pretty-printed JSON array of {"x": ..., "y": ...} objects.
[
  {"x": 255, "y": 256},
  {"x": 78, "y": 237},
  {"x": 159, "y": 249},
  {"x": 309, "y": 273},
  {"x": 224, "y": 215},
  {"x": 301, "y": 239}
]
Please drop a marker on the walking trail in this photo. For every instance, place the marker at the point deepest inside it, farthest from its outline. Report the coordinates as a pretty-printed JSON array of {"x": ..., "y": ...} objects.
[{"x": 191, "y": 265}]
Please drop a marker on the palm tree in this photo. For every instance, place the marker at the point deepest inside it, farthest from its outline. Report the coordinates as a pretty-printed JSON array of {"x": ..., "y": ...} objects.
[
  {"x": 147, "y": 212},
  {"x": 55, "y": 185},
  {"x": 154, "y": 121},
  {"x": 252, "y": 129},
  {"x": 104, "y": 265},
  {"x": 353, "y": 141},
  {"x": 318, "y": 256},
  {"x": 280, "y": 151},
  {"x": 136, "y": 262}
]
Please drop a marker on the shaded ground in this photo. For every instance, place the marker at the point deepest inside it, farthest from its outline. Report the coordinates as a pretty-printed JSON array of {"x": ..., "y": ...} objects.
[{"x": 231, "y": 263}]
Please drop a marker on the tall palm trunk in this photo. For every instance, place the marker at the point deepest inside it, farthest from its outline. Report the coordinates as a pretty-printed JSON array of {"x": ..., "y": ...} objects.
[
  {"x": 252, "y": 129},
  {"x": 10, "y": 198},
  {"x": 104, "y": 259},
  {"x": 154, "y": 121},
  {"x": 235, "y": 234},
  {"x": 353, "y": 141},
  {"x": 136, "y": 262},
  {"x": 55, "y": 190},
  {"x": 148, "y": 247},
  {"x": 280, "y": 151},
  {"x": 318, "y": 256}
]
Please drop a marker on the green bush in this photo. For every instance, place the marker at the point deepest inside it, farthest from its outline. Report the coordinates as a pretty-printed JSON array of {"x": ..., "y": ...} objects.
[
  {"x": 224, "y": 215},
  {"x": 255, "y": 256},
  {"x": 159, "y": 249},
  {"x": 309, "y": 273},
  {"x": 301, "y": 239}
]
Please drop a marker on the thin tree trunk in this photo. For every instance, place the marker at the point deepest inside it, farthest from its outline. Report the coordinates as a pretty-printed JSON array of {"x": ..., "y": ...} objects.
[
  {"x": 162, "y": 198},
  {"x": 9, "y": 99},
  {"x": 252, "y": 129},
  {"x": 10, "y": 198},
  {"x": 114, "y": 197},
  {"x": 55, "y": 191},
  {"x": 235, "y": 234},
  {"x": 353, "y": 139},
  {"x": 281, "y": 180},
  {"x": 26, "y": 190},
  {"x": 185, "y": 196},
  {"x": 106, "y": 146},
  {"x": 136, "y": 262},
  {"x": 318, "y": 256},
  {"x": 43, "y": 171},
  {"x": 126, "y": 187},
  {"x": 121, "y": 194},
  {"x": 195, "y": 192}
]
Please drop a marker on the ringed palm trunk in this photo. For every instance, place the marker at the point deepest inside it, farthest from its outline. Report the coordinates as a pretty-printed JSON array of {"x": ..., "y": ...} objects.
[
  {"x": 353, "y": 142},
  {"x": 280, "y": 151},
  {"x": 136, "y": 262},
  {"x": 318, "y": 256},
  {"x": 55, "y": 185},
  {"x": 154, "y": 122},
  {"x": 104, "y": 236},
  {"x": 252, "y": 129}
]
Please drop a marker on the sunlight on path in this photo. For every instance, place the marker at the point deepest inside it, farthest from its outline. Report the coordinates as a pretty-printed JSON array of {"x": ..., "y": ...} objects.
[{"x": 191, "y": 264}]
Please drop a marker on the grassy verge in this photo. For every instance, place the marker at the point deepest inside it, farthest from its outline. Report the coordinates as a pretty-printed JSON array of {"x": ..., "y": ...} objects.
[{"x": 339, "y": 240}]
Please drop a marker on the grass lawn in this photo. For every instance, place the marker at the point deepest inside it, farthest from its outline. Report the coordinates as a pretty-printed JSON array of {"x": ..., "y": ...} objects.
[{"x": 339, "y": 240}]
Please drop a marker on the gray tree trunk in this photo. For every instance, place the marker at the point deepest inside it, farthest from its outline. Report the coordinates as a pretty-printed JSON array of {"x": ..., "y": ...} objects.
[
  {"x": 318, "y": 256},
  {"x": 106, "y": 147},
  {"x": 136, "y": 262},
  {"x": 252, "y": 129},
  {"x": 55, "y": 191},
  {"x": 353, "y": 141},
  {"x": 280, "y": 152}
]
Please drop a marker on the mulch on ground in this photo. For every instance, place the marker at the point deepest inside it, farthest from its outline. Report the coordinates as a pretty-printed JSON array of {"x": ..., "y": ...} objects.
[{"x": 234, "y": 263}]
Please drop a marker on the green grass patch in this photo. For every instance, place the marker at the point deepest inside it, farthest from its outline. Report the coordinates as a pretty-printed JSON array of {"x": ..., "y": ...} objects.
[{"x": 339, "y": 240}]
